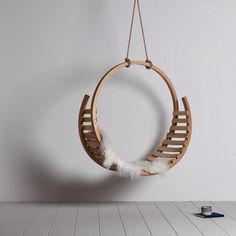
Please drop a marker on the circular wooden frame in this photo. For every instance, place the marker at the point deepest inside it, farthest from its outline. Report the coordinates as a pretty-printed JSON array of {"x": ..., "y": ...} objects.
[{"x": 177, "y": 139}]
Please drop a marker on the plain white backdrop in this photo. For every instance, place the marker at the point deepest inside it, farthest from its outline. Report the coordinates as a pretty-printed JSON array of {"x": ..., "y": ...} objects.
[{"x": 53, "y": 52}]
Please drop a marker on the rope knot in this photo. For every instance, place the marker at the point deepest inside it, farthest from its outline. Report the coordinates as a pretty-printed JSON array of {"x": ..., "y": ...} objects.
[
  {"x": 150, "y": 64},
  {"x": 128, "y": 62}
]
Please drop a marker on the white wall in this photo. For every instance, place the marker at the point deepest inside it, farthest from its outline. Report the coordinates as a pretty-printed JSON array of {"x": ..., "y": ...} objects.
[{"x": 53, "y": 52}]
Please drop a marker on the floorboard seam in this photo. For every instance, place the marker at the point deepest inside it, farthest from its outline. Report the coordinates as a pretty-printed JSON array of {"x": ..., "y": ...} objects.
[
  {"x": 188, "y": 219},
  {"x": 76, "y": 217},
  {"x": 13, "y": 213},
  {"x": 158, "y": 209},
  {"x": 143, "y": 218},
  {"x": 53, "y": 219},
  {"x": 121, "y": 218},
  {"x": 30, "y": 220}
]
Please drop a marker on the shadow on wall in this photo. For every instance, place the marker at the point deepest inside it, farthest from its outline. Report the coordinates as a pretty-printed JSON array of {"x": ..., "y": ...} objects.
[{"x": 27, "y": 108}]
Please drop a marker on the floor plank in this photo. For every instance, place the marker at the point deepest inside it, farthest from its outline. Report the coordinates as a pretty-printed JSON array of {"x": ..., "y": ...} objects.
[
  {"x": 110, "y": 221},
  {"x": 182, "y": 225},
  {"x": 42, "y": 221},
  {"x": 132, "y": 220},
  {"x": 156, "y": 222},
  {"x": 226, "y": 223},
  {"x": 228, "y": 208},
  {"x": 87, "y": 221},
  {"x": 65, "y": 220},
  {"x": 206, "y": 226},
  {"x": 7, "y": 210},
  {"x": 19, "y": 222},
  {"x": 116, "y": 219}
]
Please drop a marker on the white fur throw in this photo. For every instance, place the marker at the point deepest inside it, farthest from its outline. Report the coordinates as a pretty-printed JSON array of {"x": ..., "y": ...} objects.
[{"x": 130, "y": 169}]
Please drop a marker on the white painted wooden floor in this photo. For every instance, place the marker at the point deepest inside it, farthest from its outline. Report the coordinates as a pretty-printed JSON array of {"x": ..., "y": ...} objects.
[{"x": 114, "y": 219}]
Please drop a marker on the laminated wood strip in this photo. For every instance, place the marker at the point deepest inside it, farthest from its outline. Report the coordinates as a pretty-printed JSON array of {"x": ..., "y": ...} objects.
[
  {"x": 154, "y": 157},
  {"x": 150, "y": 158},
  {"x": 95, "y": 151},
  {"x": 89, "y": 135},
  {"x": 179, "y": 128},
  {"x": 93, "y": 142},
  {"x": 87, "y": 111},
  {"x": 180, "y": 113},
  {"x": 173, "y": 142},
  {"x": 87, "y": 127},
  {"x": 179, "y": 120},
  {"x": 94, "y": 148},
  {"x": 174, "y": 135},
  {"x": 87, "y": 119},
  {"x": 166, "y": 155},
  {"x": 169, "y": 149},
  {"x": 92, "y": 139}
]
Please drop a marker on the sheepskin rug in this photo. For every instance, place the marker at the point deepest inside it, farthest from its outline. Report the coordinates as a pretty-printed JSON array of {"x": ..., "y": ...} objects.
[{"x": 130, "y": 169}]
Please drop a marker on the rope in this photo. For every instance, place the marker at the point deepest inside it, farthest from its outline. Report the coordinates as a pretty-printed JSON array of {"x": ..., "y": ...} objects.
[{"x": 136, "y": 2}]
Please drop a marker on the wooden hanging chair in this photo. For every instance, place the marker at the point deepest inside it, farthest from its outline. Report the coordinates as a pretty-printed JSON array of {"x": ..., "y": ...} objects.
[
  {"x": 173, "y": 146},
  {"x": 177, "y": 139}
]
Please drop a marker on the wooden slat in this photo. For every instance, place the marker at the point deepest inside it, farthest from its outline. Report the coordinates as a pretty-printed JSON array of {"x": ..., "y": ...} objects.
[
  {"x": 176, "y": 120},
  {"x": 166, "y": 155},
  {"x": 90, "y": 139},
  {"x": 87, "y": 119},
  {"x": 87, "y": 127},
  {"x": 89, "y": 135},
  {"x": 174, "y": 135},
  {"x": 173, "y": 142},
  {"x": 150, "y": 158},
  {"x": 95, "y": 153},
  {"x": 94, "y": 149},
  {"x": 179, "y": 127},
  {"x": 180, "y": 113},
  {"x": 93, "y": 143},
  {"x": 169, "y": 149},
  {"x": 87, "y": 111}
]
